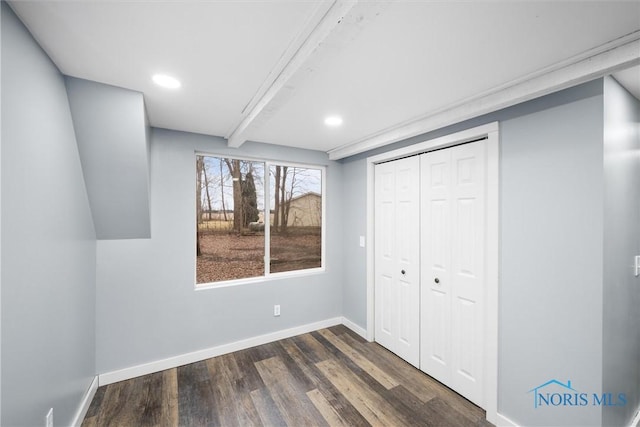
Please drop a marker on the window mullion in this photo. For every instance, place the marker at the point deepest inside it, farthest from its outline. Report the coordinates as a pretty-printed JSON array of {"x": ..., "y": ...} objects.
[{"x": 267, "y": 218}]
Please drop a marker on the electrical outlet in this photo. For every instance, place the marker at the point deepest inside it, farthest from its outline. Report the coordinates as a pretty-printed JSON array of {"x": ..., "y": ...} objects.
[
  {"x": 48, "y": 420},
  {"x": 276, "y": 310}
]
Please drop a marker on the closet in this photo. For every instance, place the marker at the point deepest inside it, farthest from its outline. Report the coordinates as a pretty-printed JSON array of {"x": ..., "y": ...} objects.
[{"x": 430, "y": 233}]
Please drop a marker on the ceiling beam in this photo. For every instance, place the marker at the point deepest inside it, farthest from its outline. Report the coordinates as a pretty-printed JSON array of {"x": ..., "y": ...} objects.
[
  {"x": 615, "y": 55},
  {"x": 322, "y": 23}
]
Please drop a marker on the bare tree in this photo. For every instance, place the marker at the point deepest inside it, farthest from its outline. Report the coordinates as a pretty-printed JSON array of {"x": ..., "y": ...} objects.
[
  {"x": 284, "y": 212},
  {"x": 249, "y": 199},
  {"x": 290, "y": 194},
  {"x": 276, "y": 210},
  {"x": 199, "y": 173},
  {"x": 224, "y": 208},
  {"x": 206, "y": 187},
  {"x": 236, "y": 175},
  {"x": 283, "y": 193}
]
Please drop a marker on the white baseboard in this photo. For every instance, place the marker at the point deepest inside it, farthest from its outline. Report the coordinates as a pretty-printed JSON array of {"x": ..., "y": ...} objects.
[
  {"x": 503, "y": 421},
  {"x": 354, "y": 327},
  {"x": 86, "y": 402},
  {"x": 197, "y": 356},
  {"x": 636, "y": 420}
]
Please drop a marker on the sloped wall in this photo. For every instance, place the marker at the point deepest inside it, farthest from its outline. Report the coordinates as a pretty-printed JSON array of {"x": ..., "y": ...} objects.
[{"x": 111, "y": 130}]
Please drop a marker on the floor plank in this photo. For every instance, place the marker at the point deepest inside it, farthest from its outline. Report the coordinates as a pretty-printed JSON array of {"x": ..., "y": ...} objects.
[
  {"x": 381, "y": 376},
  {"x": 312, "y": 348},
  {"x": 91, "y": 417},
  {"x": 331, "y": 377},
  {"x": 150, "y": 402},
  {"x": 235, "y": 407},
  {"x": 371, "y": 405},
  {"x": 121, "y": 403},
  {"x": 288, "y": 394},
  {"x": 169, "y": 408},
  {"x": 329, "y": 413},
  {"x": 197, "y": 405},
  {"x": 339, "y": 403},
  {"x": 267, "y": 410},
  {"x": 439, "y": 408},
  {"x": 421, "y": 385}
]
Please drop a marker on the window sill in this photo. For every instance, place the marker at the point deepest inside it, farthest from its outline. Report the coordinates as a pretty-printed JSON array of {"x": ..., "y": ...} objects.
[{"x": 260, "y": 279}]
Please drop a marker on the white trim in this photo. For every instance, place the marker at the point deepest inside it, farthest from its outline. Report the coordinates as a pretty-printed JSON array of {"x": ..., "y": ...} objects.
[
  {"x": 635, "y": 422},
  {"x": 312, "y": 22},
  {"x": 502, "y": 421},
  {"x": 491, "y": 131},
  {"x": 354, "y": 327},
  {"x": 303, "y": 49},
  {"x": 370, "y": 250},
  {"x": 260, "y": 279},
  {"x": 197, "y": 356},
  {"x": 266, "y": 181},
  {"x": 437, "y": 143},
  {"x": 605, "y": 59},
  {"x": 324, "y": 190},
  {"x": 86, "y": 402},
  {"x": 492, "y": 263}
]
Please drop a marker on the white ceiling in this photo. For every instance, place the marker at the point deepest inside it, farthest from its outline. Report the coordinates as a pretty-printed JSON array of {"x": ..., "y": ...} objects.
[{"x": 271, "y": 70}]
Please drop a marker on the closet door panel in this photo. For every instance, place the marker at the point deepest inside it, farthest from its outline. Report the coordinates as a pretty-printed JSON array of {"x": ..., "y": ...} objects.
[
  {"x": 384, "y": 253},
  {"x": 467, "y": 280},
  {"x": 397, "y": 255},
  {"x": 452, "y": 283},
  {"x": 435, "y": 242}
]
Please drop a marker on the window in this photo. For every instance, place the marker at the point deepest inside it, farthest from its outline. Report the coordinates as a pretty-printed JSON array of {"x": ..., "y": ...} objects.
[{"x": 257, "y": 219}]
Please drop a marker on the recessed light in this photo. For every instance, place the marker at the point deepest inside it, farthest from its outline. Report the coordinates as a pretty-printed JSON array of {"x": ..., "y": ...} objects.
[
  {"x": 166, "y": 81},
  {"x": 333, "y": 121}
]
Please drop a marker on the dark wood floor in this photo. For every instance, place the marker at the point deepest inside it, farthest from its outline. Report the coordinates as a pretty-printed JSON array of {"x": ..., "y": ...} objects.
[{"x": 330, "y": 377}]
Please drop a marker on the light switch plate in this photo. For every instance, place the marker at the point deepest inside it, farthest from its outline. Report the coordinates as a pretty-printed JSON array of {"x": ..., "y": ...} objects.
[
  {"x": 637, "y": 265},
  {"x": 362, "y": 241}
]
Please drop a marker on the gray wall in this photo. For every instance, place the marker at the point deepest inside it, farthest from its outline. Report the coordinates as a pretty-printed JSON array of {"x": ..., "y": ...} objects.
[
  {"x": 111, "y": 129},
  {"x": 551, "y": 248},
  {"x": 354, "y": 219},
  {"x": 147, "y": 307},
  {"x": 551, "y": 224},
  {"x": 621, "y": 297},
  {"x": 48, "y": 241}
]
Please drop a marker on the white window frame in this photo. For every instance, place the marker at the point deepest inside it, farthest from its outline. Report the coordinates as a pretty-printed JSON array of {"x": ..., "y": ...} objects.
[{"x": 267, "y": 275}]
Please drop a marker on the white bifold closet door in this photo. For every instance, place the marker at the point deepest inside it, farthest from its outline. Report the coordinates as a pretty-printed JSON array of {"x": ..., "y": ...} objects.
[
  {"x": 397, "y": 257},
  {"x": 452, "y": 241}
]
